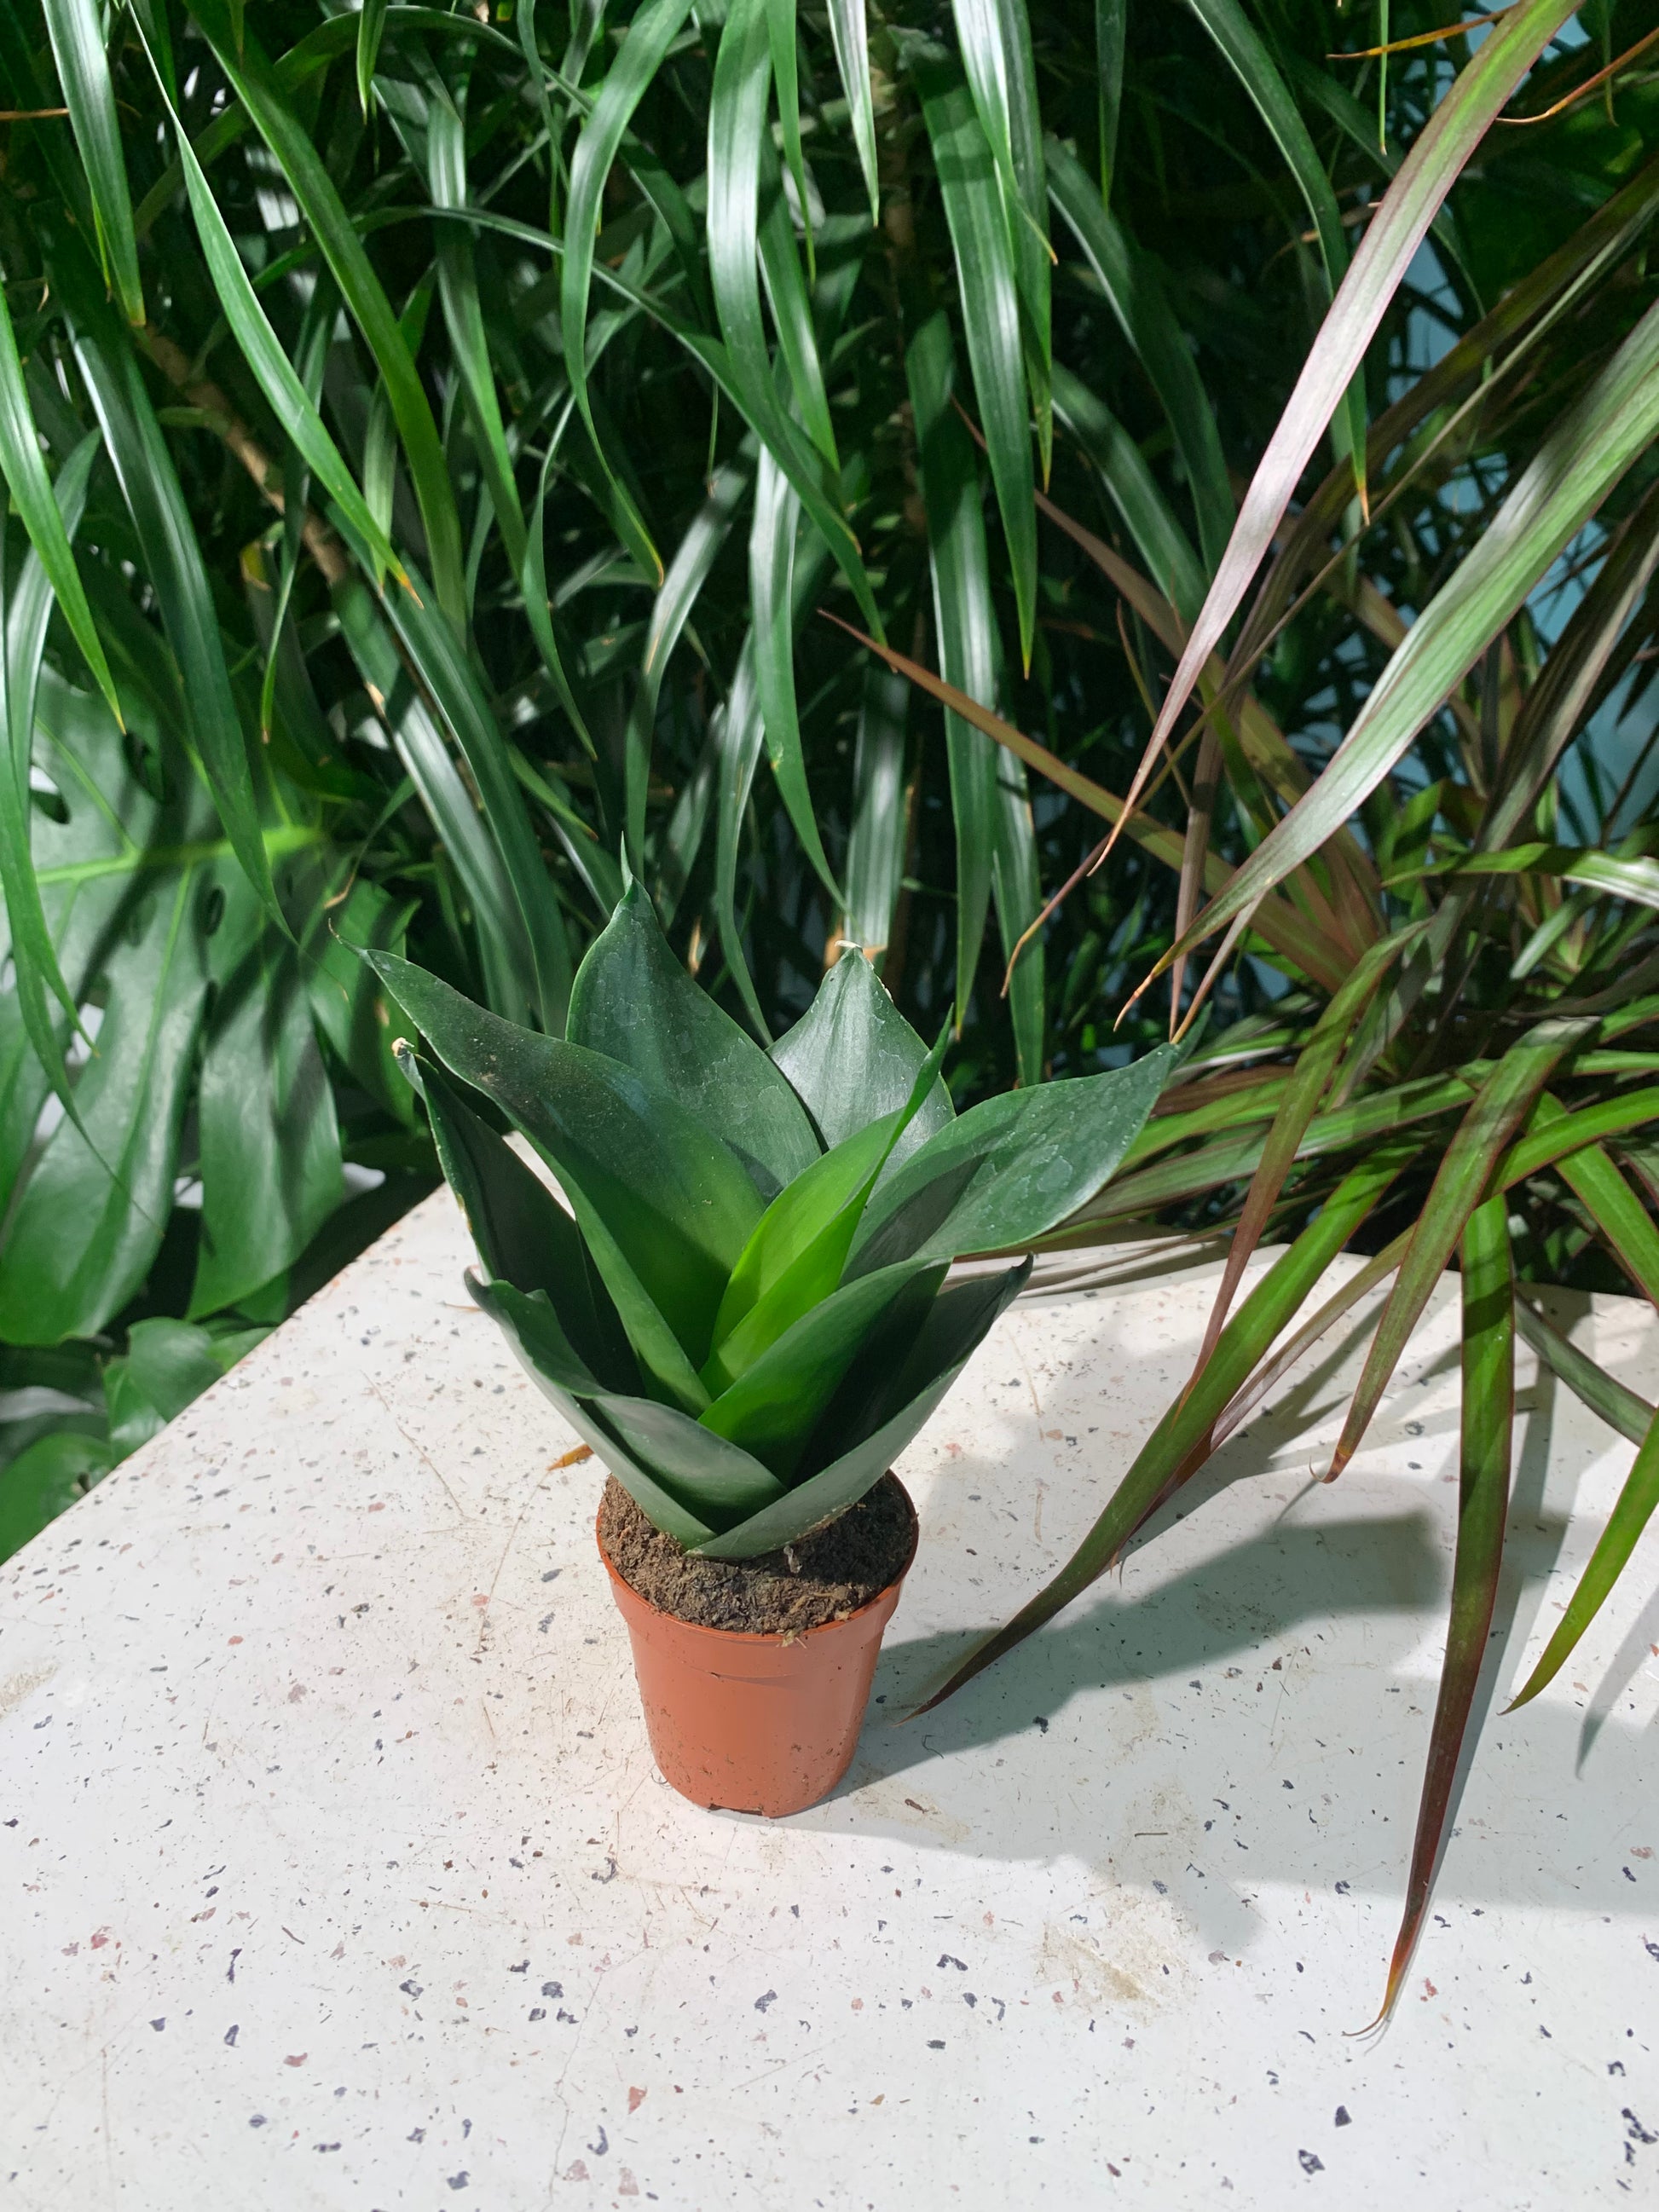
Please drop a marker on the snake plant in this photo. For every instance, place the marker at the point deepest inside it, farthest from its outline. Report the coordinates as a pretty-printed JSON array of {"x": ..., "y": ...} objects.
[{"x": 744, "y": 1311}]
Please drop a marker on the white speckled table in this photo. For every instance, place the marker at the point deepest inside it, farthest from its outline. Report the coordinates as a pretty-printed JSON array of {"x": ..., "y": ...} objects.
[{"x": 336, "y": 1871}]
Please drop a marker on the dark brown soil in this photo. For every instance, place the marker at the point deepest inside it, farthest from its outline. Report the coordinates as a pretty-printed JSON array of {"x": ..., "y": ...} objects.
[{"x": 824, "y": 1576}]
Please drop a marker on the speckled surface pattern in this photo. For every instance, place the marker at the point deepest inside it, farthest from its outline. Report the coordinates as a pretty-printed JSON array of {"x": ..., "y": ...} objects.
[{"x": 335, "y": 1873}]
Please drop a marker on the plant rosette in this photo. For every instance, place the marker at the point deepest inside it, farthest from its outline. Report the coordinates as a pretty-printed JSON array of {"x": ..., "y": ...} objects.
[{"x": 744, "y": 1308}]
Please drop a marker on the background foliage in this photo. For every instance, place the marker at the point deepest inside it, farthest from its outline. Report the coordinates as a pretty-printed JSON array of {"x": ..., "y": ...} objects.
[{"x": 432, "y": 437}]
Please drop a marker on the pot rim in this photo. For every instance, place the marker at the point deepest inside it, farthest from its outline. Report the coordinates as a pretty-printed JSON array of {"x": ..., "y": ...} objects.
[{"x": 777, "y": 1636}]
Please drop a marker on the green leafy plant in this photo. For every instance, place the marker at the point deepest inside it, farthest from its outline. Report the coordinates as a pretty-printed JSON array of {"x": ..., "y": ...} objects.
[{"x": 743, "y": 1310}]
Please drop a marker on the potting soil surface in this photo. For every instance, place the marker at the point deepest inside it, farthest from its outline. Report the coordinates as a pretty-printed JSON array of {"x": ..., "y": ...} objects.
[
  {"x": 823, "y": 1576},
  {"x": 335, "y": 1871}
]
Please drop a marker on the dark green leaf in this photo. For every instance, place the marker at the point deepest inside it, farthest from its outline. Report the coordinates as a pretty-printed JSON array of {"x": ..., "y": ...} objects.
[
  {"x": 632, "y": 1000},
  {"x": 720, "y": 1481},
  {"x": 524, "y": 1236},
  {"x": 45, "y": 1480},
  {"x": 640, "y": 1172},
  {"x": 532, "y": 1328},
  {"x": 1019, "y": 1165},
  {"x": 853, "y": 1057},
  {"x": 166, "y": 1364}
]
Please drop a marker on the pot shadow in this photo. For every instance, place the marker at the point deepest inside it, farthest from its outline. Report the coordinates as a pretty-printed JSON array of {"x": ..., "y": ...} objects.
[{"x": 1227, "y": 1608}]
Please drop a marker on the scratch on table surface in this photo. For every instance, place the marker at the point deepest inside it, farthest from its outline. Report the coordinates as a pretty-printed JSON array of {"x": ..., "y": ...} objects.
[
  {"x": 1019, "y": 1354},
  {"x": 415, "y": 1446},
  {"x": 535, "y": 1489},
  {"x": 778, "y": 2066}
]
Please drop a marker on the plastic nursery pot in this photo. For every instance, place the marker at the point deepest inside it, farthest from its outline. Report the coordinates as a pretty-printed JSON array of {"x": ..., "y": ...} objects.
[{"x": 755, "y": 1724}]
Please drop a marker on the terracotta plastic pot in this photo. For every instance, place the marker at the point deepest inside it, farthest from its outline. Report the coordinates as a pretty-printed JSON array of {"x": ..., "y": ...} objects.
[{"x": 755, "y": 1724}]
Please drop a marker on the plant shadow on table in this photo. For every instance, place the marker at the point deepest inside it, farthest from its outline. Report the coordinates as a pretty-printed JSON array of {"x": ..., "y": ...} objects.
[{"x": 1124, "y": 1736}]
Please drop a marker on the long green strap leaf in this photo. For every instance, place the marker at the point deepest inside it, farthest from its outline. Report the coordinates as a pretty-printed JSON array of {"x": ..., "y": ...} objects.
[
  {"x": 1237, "y": 39},
  {"x": 24, "y": 614},
  {"x": 1581, "y": 459},
  {"x": 1244, "y": 1342},
  {"x": 76, "y": 31},
  {"x": 1605, "y": 1396},
  {"x": 771, "y": 593},
  {"x": 786, "y": 73},
  {"x": 1483, "y": 1498},
  {"x": 996, "y": 38},
  {"x": 1016, "y": 884},
  {"x": 876, "y": 844},
  {"x": 741, "y": 735},
  {"x": 458, "y": 290},
  {"x": 257, "y": 86},
  {"x": 537, "y": 605},
  {"x": 265, "y": 355},
  {"x": 1498, "y": 1107},
  {"x": 688, "y": 572},
  {"x": 991, "y": 321},
  {"x": 1436, "y": 159},
  {"x": 791, "y": 308},
  {"x": 850, "y": 38},
  {"x": 435, "y": 658},
  {"x": 649, "y": 36},
  {"x": 1143, "y": 315},
  {"x": 171, "y": 558},
  {"x": 371, "y": 26},
  {"x": 1111, "y": 36},
  {"x": 966, "y": 622},
  {"x": 1163, "y": 545},
  {"x": 1630, "y": 1516},
  {"x": 25, "y": 473},
  {"x": 736, "y": 122}
]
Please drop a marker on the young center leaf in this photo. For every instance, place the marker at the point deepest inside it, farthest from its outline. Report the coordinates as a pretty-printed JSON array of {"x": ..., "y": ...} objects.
[
  {"x": 635, "y": 1002},
  {"x": 852, "y": 1057}
]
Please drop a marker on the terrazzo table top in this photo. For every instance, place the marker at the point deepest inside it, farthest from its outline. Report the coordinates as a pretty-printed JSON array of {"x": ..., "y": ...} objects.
[{"x": 337, "y": 1874}]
